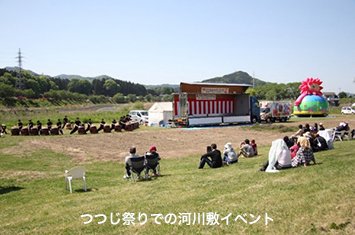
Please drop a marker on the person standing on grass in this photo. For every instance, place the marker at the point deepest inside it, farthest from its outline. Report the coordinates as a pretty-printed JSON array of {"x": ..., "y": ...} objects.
[
  {"x": 215, "y": 161},
  {"x": 76, "y": 126},
  {"x": 246, "y": 149},
  {"x": 59, "y": 126},
  {"x": 39, "y": 125},
  {"x": 128, "y": 163}
]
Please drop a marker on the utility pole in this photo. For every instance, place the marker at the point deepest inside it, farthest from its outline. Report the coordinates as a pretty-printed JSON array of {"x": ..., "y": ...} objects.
[
  {"x": 19, "y": 81},
  {"x": 253, "y": 80}
]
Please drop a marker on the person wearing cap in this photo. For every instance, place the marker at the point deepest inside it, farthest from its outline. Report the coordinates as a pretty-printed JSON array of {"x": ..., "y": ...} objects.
[
  {"x": 215, "y": 161},
  {"x": 128, "y": 163},
  {"x": 229, "y": 155},
  {"x": 153, "y": 154}
]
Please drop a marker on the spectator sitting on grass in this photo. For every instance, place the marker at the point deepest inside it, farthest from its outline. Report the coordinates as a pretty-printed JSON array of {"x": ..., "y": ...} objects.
[
  {"x": 255, "y": 147},
  {"x": 229, "y": 155},
  {"x": 246, "y": 149},
  {"x": 215, "y": 155},
  {"x": 304, "y": 154},
  {"x": 279, "y": 157}
]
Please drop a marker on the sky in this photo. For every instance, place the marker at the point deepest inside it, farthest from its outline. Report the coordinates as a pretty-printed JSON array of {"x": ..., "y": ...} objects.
[{"x": 165, "y": 41}]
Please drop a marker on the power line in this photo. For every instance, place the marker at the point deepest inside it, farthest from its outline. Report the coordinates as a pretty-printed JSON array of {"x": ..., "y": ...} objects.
[{"x": 20, "y": 83}]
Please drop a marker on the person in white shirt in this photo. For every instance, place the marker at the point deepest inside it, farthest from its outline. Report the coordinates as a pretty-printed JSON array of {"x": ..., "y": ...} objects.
[{"x": 279, "y": 157}]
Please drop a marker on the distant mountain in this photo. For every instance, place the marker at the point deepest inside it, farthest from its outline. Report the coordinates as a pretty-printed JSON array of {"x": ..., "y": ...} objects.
[
  {"x": 239, "y": 77},
  {"x": 17, "y": 69},
  {"x": 71, "y": 76},
  {"x": 174, "y": 86}
]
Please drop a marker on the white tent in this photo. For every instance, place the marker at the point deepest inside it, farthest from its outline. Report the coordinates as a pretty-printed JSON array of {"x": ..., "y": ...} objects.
[{"x": 160, "y": 113}]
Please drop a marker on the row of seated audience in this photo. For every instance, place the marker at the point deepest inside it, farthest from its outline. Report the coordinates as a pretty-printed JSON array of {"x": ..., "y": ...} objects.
[
  {"x": 289, "y": 152},
  {"x": 213, "y": 157},
  {"x": 73, "y": 125},
  {"x": 299, "y": 149}
]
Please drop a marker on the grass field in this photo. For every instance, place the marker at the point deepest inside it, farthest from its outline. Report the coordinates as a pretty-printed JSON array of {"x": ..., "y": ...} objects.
[{"x": 313, "y": 200}]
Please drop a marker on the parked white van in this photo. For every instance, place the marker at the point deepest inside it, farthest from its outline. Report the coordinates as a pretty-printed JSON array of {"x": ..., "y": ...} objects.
[{"x": 140, "y": 116}]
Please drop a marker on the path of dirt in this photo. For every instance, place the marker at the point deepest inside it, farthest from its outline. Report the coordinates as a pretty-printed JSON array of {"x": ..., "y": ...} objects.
[{"x": 171, "y": 143}]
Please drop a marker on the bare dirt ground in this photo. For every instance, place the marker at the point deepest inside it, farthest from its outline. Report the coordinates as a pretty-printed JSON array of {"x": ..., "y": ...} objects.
[{"x": 171, "y": 143}]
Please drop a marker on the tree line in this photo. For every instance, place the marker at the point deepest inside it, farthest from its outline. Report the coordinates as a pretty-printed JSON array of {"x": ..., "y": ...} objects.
[{"x": 99, "y": 90}]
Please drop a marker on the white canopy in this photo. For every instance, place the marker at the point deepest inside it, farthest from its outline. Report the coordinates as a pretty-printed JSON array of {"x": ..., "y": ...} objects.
[{"x": 160, "y": 113}]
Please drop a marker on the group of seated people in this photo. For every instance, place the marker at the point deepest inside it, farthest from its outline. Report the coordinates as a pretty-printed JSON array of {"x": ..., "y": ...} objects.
[
  {"x": 151, "y": 154},
  {"x": 38, "y": 126},
  {"x": 298, "y": 150},
  {"x": 73, "y": 125},
  {"x": 281, "y": 157},
  {"x": 214, "y": 159}
]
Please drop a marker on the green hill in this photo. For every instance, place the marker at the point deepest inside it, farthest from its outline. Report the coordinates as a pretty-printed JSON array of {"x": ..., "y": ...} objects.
[{"x": 239, "y": 77}]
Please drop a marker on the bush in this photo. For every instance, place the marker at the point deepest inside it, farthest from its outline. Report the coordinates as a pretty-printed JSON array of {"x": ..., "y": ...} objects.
[
  {"x": 139, "y": 106},
  {"x": 6, "y": 91},
  {"x": 118, "y": 98},
  {"x": 29, "y": 93}
]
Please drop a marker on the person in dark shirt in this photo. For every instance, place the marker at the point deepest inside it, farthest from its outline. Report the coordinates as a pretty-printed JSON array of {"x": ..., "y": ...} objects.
[
  {"x": 321, "y": 142},
  {"x": 113, "y": 124},
  {"x": 76, "y": 126},
  {"x": 39, "y": 125},
  {"x": 49, "y": 124},
  {"x": 65, "y": 121},
  {"x": 288, "y": 142},
  {"x": 306, "y": 128},
  {"x": 30, "y": 124},
  {"x": 89, "y": 125},
  {"x": 59, "y": 126},
  {"x": 122, "y": 122},
  {"x": 215, "y": 155},
  {"x": 3, "y": 129},
  {"x": 321, "y": 127},
  {"x": 102, "y": 124},
  {"x": 19, "y": 124}
]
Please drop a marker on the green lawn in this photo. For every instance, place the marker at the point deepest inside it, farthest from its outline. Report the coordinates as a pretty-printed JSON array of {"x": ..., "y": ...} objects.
[{"x": 316, "y": 199}]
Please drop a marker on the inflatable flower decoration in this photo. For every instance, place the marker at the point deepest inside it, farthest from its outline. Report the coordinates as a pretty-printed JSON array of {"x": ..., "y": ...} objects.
[{"x": 310, "y": 86}]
